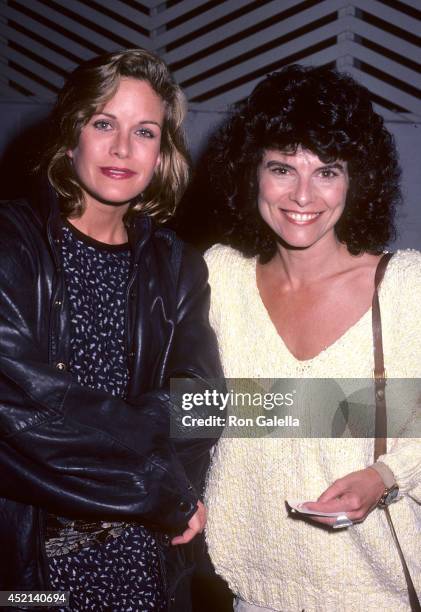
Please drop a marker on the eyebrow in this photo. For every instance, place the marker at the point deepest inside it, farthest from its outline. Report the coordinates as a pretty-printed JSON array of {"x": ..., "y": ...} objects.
[
  {"x": 278, "y": 162},
  {"x": 333, "y": 165},
  {"x": 148, "y": 121}
]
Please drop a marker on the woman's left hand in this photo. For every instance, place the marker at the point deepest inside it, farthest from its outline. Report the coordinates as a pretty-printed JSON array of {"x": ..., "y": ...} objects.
[
  {"x": 195, "y": 525},
  {"x": 355, "y": 494}
]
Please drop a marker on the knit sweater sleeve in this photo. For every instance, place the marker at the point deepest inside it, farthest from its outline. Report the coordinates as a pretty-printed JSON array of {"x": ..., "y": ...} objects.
[
  {"x": 215, "y": 259},
  {"x": 402, "y": 303}
]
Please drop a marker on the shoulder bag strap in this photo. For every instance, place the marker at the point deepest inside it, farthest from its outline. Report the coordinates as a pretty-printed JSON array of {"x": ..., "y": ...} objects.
[
  {"x": 381, "y": 417},
  {"x": 379, "y": 371}
]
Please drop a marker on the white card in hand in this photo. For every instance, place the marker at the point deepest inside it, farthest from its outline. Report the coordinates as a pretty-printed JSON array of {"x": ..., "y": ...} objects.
[{"x": 296, "y": 506}]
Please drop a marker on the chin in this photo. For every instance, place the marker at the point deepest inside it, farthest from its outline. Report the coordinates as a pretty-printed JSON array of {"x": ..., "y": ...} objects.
[
  {"x": 293, "y": 242},
  {"x": 114, "y": 199},
  {"x": 294, "y": 246},
  {"x": 116, "y": 203}
]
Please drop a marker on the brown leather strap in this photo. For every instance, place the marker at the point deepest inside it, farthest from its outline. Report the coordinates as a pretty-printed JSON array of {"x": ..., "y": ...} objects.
[
  {"x": 379, "y": 371},
  {"x": 381, "y": 416},
  {"x": 414, "y": 602}
]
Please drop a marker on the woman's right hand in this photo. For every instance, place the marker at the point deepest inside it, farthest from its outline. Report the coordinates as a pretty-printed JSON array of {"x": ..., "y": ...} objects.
[{"x": 356, "y": 494}]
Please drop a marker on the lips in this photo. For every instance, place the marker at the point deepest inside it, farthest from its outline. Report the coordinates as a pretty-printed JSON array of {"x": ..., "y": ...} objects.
[
  {"x": 117, "y": 173},
  {"x": 301, "y": 218}
]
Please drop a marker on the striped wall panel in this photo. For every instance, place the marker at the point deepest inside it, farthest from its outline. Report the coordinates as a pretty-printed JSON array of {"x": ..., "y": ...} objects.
[{"x": 217, "y": 49}]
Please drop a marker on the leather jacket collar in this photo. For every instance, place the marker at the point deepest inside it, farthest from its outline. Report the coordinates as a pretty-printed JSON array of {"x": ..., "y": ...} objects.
[{"x": 46, "y": 208}]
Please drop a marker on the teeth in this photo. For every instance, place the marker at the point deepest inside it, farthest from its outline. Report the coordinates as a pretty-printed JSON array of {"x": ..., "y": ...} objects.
[{"x": 301, "y": 216}]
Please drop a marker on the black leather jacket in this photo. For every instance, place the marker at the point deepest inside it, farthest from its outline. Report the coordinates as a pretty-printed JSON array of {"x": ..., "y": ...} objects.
[{"x": 80, "y": 452}]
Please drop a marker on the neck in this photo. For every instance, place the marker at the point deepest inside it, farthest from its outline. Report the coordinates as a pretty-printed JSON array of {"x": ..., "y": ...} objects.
[
  {"x": 302, "y": 267},
  {"x": 103, "y": 223}
]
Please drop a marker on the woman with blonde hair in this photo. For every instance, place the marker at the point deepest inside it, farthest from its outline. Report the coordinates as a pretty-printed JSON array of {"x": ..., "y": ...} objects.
[{"x": 99, "y": 308}]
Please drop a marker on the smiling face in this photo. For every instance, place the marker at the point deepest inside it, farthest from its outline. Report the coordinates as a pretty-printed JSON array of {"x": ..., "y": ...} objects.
[
  {"x": 300, "y": 197},
  {"x": 118, "y": 149}
]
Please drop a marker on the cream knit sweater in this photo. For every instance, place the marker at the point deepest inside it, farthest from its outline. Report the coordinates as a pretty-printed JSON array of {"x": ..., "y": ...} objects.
[{"x": 268, "y": 558}]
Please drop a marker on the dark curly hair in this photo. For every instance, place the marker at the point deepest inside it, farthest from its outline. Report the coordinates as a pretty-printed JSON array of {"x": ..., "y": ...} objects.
[{"x": 327, "y": 113}]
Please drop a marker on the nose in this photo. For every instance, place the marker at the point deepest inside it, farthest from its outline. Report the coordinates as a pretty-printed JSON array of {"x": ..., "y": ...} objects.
[
  {"x": 302, "y": 192},
  {"x": 120, "y": 146}
]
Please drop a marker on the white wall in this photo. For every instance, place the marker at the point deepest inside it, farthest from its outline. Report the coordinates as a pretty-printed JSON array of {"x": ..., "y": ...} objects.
[{"x": 408, "y": 140}]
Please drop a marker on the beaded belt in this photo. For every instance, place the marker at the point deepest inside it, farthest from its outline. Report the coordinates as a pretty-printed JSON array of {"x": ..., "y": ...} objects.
[{"x": 64, "y": 535}]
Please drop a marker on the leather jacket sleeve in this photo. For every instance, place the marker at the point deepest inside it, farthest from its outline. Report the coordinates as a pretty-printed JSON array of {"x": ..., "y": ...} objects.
[
  {"x": 81, "y": 452},
  {"x": 196, "y": 359}
]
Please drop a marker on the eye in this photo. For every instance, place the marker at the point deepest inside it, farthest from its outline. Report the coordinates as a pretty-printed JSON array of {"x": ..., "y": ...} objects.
[
  {"x": 102, "y": 124},
  {"x": 279, "y": 170},
  {"x": 328, "y": 173},
  {"x": 145, "y": 133}
]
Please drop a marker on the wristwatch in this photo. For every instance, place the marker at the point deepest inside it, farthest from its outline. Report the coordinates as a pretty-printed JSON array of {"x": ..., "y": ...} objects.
[{"x": 389, "y": 496}]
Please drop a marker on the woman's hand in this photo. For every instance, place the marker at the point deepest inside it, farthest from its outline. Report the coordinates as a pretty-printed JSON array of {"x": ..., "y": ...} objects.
[
  {"x": 355, "y": 494},
  {"x": 195, "y": 525}
]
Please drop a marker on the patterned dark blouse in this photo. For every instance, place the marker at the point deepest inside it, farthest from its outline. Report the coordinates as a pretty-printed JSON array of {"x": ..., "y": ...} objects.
[
  {"x": 105, "y": 565},
  {"x": 96, "y": 276}
]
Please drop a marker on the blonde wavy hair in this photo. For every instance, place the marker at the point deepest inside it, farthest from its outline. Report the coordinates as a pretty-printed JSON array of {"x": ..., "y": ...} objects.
[{"x": 89, "y": 88}]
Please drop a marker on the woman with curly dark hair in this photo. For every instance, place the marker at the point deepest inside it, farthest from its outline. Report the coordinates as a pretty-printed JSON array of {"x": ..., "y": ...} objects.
[{"x": 308, "y": 182}]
